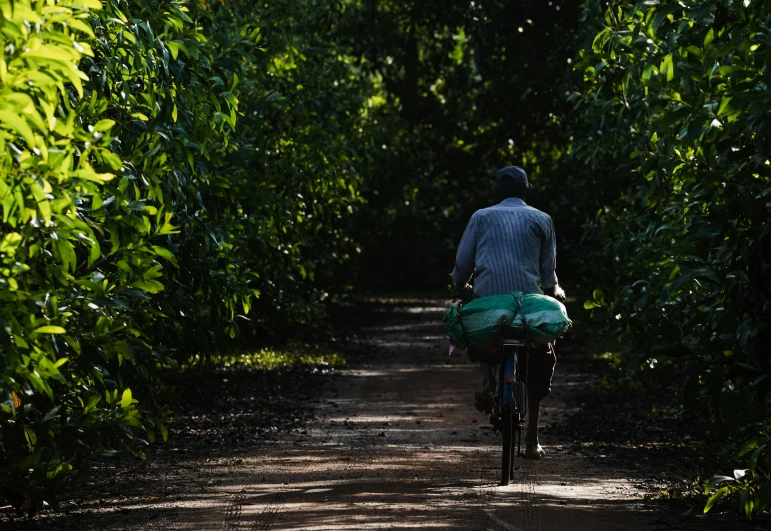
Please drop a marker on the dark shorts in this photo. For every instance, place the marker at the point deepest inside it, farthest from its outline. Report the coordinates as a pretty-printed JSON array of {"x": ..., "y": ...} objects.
[{"x": 539, "y": 363}]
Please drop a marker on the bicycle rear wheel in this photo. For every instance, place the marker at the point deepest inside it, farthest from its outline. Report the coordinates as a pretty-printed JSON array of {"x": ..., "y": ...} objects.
[{"x": 507, "y": 426}]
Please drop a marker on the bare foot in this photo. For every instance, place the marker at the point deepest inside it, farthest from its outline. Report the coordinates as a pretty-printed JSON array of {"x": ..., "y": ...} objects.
[
  {"x": 534, "y": 452},
  {"x": 533, "y": 448}
]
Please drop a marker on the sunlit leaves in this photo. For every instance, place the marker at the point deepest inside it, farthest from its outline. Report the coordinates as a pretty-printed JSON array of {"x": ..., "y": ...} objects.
[
  {"x": 50, "y": 329},
  {"x": 105, "y": 138}
]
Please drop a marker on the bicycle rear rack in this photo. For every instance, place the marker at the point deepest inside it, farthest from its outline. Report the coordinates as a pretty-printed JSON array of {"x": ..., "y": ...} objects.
[{"x": 514, "y": 342}]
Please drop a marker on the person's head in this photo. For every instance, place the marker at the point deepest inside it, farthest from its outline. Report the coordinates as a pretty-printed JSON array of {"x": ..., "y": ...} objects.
[{"x": 511, "y": 181}]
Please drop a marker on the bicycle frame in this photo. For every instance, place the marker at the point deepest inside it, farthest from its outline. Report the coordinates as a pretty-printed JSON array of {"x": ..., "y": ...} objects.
[{"x": 509, "y": 371}]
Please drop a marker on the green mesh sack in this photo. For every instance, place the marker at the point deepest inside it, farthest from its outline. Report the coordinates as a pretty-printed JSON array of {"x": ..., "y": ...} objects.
[
  {"x": 453, "y": 328},
  {"x": 480, "y": 324},
  {"x": 546, "y": 318},
  {"x": 483, "y": 320}
]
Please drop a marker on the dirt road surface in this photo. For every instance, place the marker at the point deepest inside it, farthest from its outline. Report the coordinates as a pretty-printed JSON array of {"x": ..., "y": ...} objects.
[
  {"x": 396, "y": 444},
  {"x": 401, "y": 447}
]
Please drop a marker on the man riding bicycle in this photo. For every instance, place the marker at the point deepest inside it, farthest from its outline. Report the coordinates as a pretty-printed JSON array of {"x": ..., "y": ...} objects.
[{"x": 511, "y": 247}]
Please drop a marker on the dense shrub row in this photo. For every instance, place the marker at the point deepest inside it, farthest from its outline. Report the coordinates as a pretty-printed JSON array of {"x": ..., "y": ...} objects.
[
  {"x": 305, "y": 131},
  {"x": 142, "y": 227},
  {"x": 65, "y": 331},
  {"x": 685, "y": 244}
]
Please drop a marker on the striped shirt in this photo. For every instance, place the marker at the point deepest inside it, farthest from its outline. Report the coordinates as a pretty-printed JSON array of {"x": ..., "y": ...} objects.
[{"x": 508, "y": 247}]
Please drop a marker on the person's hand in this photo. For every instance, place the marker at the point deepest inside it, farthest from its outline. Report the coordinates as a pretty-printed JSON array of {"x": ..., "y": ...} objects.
[
  {"x": 466, "y": 292},
  {"x": 556, "y": 292}
]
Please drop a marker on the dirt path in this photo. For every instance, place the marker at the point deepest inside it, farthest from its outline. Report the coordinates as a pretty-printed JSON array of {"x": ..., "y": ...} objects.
[
  {"x": 401, "y": 447},
  {"x": 396, "y": 445}
]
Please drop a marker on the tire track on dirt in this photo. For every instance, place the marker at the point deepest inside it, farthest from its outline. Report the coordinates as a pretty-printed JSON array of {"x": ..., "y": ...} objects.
[
  {"x": 269, "y": 513},
  {"x": 528, "y": 479},
  {"x": 233, "y": 513},
  {"x": 500, "y": 522}
]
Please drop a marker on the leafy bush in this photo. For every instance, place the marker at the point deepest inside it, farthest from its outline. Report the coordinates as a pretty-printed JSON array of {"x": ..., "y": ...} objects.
[
  {"x": 175, "y": 109},
  {"x": 755, "y": 487},
  {"x": 688, "y": 236},
  {"x": 101, "y": 111},
  {"x": 303, "y": 146},
  {"x": 141, "y": 232}
]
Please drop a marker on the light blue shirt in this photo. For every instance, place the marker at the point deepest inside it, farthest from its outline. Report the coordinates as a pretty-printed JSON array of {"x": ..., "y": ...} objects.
[{"x": 508, "y": 247}]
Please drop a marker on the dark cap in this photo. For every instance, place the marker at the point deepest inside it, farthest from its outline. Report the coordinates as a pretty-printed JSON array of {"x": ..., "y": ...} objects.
[{"x": 511, "y": 174}]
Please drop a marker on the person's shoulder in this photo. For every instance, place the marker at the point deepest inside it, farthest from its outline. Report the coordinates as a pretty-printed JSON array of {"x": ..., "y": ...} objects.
[
  {"x": 482, "y": 212},
  {"x": 538, "y": 214}
]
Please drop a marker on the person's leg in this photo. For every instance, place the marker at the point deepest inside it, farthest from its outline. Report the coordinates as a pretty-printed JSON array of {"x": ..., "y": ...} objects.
[
  {"x": 483, "y": 400},
  {"x": 487, "y": 374},
  {"x": 540, "y": 370},
  {"x": 533, "y": 449}
]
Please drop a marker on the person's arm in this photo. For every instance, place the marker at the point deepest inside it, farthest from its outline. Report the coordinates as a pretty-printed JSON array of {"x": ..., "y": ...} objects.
[
  {"x": 465, "y": 258},
  {"x": 548, "y": 265}
]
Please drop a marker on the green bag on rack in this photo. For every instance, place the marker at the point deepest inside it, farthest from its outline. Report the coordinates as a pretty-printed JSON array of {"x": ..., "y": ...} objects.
[{"x": 480, "y": 324}]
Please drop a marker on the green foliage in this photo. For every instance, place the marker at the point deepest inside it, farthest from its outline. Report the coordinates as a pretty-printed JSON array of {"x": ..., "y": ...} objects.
[
  {"x": 754, "y": 489},
  {"x": 143, "y": 231},
  {"x": 302, "y": 144},
  {"x": 464, "y": 89},
  {"x": 100, "y": 118},
  {"x": 53, "y": 165},
  {"x": 683, "y": 87},
  {"x": 175, "y": 110}
]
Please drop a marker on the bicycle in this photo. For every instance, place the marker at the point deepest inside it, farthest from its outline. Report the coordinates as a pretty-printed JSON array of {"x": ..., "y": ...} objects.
[
  {"x": 511, "y": 402},
  {"x": 510, "y": 409}
]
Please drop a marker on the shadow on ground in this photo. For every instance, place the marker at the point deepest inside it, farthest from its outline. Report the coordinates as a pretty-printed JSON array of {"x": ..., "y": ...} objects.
[{"x": 393, "y": 443}]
